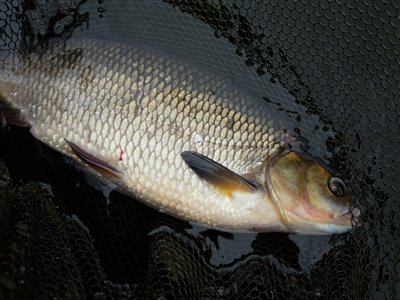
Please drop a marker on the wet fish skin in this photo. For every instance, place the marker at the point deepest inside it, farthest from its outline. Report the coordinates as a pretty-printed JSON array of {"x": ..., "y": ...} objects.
[{"x": 138, "y": 110}]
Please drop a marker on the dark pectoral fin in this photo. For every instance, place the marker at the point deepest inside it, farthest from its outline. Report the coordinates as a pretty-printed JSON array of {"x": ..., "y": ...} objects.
[
  {"x": 98, "y": 164},
  {"x": 221, "y": 177}
]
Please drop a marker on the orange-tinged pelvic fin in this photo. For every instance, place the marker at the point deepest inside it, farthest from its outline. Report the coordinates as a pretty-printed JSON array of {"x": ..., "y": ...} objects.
[
  {"x": 96, "y": 163},
  {"x": 10, "y": 115},
  {"x": 225, "y": 180}
]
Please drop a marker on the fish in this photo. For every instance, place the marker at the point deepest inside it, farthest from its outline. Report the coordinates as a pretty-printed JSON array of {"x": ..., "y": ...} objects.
[{"x": 173, "y": 135}]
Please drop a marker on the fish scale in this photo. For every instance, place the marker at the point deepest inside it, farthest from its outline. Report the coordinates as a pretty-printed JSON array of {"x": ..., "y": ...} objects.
[{"x": 138, "y": 109}]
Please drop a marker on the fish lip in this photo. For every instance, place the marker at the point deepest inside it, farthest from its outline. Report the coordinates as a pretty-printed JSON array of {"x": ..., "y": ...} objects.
[
  {"x": 347, "y": 216},
  {"x": 344, "y": 213}
]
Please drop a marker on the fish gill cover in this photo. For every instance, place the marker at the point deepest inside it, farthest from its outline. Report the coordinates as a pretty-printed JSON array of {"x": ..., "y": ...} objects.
[{"x": 332, "y": 67}]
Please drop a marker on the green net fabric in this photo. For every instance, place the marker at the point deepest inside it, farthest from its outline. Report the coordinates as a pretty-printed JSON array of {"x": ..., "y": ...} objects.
[{"x": 332, "y": 67}]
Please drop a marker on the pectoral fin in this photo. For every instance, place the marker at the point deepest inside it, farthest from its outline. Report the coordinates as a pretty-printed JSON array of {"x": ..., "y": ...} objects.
[
  {"x": 96, "y": 163},
  {"x": 225, "y": 180}
]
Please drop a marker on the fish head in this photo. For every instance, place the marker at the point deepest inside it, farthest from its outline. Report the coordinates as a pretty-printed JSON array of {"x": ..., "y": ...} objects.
[{"x": 309, "y": 197}]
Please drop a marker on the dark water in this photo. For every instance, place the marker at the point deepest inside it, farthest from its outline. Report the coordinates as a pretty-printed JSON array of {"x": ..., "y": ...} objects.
[{"x": 332, "y": 68}]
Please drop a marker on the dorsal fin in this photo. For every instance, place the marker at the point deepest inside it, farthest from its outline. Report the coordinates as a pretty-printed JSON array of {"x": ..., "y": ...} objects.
[{"x": 216, "y": 174}]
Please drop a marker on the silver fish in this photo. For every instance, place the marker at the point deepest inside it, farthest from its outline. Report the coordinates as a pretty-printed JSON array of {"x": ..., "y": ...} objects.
[{"x": 176, "y": 137}]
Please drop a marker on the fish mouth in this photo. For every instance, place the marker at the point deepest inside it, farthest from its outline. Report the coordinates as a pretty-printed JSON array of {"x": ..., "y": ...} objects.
[{"x": 345, "y": 218}]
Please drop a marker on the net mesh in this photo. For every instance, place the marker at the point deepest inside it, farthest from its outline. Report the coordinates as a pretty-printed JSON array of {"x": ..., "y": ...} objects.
[{"x": 331, "y": 66}]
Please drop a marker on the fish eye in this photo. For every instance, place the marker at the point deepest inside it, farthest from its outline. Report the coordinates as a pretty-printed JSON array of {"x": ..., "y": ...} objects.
[{"x": 337, "y": 186}]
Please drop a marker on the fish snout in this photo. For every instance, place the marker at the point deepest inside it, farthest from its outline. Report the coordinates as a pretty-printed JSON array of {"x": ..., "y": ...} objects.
[{"x": 346, "y": 217}]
